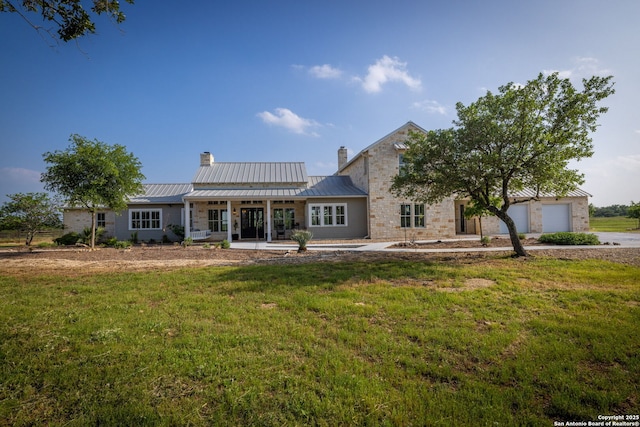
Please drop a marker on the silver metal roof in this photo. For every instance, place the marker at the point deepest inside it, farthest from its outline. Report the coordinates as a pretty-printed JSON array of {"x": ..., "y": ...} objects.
[
  {"x": 251, "y": 173},
  {"x": 162, "y": 193},
  {"x": 331, "y": 186},
  {"x": 318, "y": 186},
  {"x": 530, "y": 193}
]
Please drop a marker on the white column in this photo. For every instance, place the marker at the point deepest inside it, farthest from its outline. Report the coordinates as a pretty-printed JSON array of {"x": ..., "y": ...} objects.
[
  {"x": 229, "y": 221},
  {"x": 187, "y": 219},
  {"x": 268, "y": 220}
]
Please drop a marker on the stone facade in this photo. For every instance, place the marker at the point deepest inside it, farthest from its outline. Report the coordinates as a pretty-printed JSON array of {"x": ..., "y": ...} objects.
[
  {"x": 76, "y": 220},
  {"x": 373, "y": 170}
]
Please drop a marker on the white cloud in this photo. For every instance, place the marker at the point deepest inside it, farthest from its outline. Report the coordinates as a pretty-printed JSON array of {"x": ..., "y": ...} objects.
[
  {"x": 325, "y": 71},
  {"x": 386, "y": 70},
  {"x": 287, "y": 119},
  {"x": 584, "y": 67},
  {"x": 430, "y": 106},
  {"x": 26, "y": 176}
]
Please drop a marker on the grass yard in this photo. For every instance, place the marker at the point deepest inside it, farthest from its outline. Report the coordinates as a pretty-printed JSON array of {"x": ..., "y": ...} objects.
[
  {"x": 620, "y": 224},
  {"x": 499, "y": 342}
]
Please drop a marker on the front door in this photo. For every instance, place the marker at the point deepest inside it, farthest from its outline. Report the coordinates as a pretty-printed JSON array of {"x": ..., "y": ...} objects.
[{"x": 252, "y": 220}]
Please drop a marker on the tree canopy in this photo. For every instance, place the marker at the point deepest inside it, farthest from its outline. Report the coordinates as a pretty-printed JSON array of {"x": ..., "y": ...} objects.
[
  {"x": 29, "y": 213},
  {"x": 522, "y": 137},
  {"x": 69, "y": 16},
  {"x": 93, "y": 175}
]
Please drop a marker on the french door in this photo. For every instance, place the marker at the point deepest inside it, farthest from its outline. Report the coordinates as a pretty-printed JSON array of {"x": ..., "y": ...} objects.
[{"x": 252, "y": 220}]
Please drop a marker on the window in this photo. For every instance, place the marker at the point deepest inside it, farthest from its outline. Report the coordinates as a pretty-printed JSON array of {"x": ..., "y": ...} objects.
[
  {"x": 412, "y": 216},
  {"x": 418, "y": 216},
  {"x": 284, "y": 217},
  {"x": 328, "y": 215},
  {"x": 401, "y": 164},
  {"x": 149, "y": 219},
  {"x": 218, "y": 220},
  {"x": 405, "y": 216},
  {"x": 101, "y": 219}
]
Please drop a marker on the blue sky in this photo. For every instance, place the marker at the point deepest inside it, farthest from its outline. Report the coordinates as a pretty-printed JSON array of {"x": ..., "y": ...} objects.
[{"x": 295, "y": 80}]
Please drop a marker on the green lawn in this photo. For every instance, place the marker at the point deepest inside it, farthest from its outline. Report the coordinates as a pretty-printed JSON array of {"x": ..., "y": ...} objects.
[
  {"x": 497, "y": 342},
  {"x": 616, "y": 223}
]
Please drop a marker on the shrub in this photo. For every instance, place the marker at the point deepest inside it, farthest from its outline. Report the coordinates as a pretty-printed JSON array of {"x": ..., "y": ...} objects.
[
  {"x": 68, "y": 239},
  {"x": 178, "y": 230},
  {"x": 522, "y": 236},
  {"x": 111, "y": 241},
  {"x": 134, "y": 237},
  {"x": 206, "y": 246},
  {"x": 485, "y": 240},
  {"x": 225, "y": 244},
  {"x": 302, "y": 237},
  {"x": 187, "y": 242},
  {"x": 122, "y": 244},
  {"x": 567, "y": 238}
]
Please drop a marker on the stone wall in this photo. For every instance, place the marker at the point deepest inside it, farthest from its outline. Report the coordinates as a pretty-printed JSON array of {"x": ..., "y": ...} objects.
[{"x": 373, "y": 171}]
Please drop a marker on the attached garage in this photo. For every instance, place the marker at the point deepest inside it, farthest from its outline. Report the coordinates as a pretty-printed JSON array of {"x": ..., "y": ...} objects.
[
  {"x": 520, "y": 215},
  {"x": 556, "y": 217}
]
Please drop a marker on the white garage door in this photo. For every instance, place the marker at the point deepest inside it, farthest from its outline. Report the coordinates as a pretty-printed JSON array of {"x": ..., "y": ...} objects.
[
  {"x": 556, "y": 218},
  {"x": 520, "y": 215}
]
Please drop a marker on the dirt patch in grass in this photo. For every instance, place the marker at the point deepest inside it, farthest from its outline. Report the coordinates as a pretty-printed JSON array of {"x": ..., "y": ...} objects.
[{"x": 81, "y": 261}]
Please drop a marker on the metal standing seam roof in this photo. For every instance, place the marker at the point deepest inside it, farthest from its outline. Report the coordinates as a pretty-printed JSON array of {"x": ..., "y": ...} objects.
[
  {"x": 161, "y": 193},
  {"x": 318, "y": 186},
  {"x": 530, "y": 193},
  {"x": 222, "y": 173}
]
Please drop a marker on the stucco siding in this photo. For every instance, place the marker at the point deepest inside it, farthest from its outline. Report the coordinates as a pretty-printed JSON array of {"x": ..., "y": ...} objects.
[{"x": 356, "y": 226}]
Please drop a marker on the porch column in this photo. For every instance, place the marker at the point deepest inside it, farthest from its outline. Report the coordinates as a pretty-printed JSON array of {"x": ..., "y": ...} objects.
[
  {"x": 229, "y": 237},
  {"x": 187, "y": 219},
  {"x": 268, "y": 220}
]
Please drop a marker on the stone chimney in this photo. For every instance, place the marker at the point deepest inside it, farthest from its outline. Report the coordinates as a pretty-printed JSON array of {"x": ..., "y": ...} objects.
[
  {"x": 206, "y": 159},
  {"x": 342, "y": 157}
]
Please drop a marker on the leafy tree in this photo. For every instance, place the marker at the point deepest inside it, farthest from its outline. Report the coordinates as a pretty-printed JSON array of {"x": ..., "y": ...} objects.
[
  {"x": 69, "y": 16},
  {"x": 634, "y": 211},
  {"x": 93, "y": 175},
  {"x": 29, "y": 213},
  {"x": 521, "y": 137}
]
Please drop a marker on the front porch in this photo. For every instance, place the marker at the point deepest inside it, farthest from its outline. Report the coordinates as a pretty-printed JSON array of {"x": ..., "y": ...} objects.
[{"x": 235, "y": 220}]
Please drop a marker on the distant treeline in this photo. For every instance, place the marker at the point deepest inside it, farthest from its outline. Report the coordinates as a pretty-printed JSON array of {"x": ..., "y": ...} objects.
[{"x": 608, "y": 211}]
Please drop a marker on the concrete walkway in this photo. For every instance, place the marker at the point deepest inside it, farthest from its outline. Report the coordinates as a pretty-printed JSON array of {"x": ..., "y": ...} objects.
[{"x": 608, "y": 240}]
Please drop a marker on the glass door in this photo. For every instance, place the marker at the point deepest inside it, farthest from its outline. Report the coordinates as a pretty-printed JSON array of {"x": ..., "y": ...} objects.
[{"x": 252, "y": 223}]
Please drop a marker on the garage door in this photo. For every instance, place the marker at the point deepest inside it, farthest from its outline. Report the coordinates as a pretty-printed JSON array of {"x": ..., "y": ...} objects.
[
  {"x": 556, "y": 218},
  {"x": 520, "y": 215}
]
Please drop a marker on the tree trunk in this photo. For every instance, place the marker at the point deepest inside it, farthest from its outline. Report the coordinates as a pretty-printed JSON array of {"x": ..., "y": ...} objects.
[
  {"x": 93, "y": 229},
  {"x": 513, "y": 234}
]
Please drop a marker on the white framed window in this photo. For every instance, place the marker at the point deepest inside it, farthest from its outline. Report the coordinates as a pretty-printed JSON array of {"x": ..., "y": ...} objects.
[
  {"x": 145, "y": 219},
  {"x": 328, "y": 215},
  {"x": 412, "y": 215},
  {"x": 218, "y": 220}
]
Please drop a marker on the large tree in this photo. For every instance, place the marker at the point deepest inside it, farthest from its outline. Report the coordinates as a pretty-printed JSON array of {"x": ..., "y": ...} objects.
[
  {"x": 71, "y": 17},
  {"x": 93, "y": 175},
  {"x": 523, "y": 137},
  {"x": 29, "y": 213}
]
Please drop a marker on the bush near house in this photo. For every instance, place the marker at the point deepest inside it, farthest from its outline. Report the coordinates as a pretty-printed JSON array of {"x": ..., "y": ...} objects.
[{"x": 567, "y": 238}]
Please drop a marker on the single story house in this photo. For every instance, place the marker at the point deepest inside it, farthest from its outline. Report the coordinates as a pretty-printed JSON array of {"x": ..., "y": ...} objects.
[{"x": 268, "y": 200}]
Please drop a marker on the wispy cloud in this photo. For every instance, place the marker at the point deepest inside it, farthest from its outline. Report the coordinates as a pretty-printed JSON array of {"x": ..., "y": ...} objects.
[
  {"x": 431, "y": 107},
  {"x": 325, "y": 71},
  {"x": 385, "y": 70},
  {"x": 584, "y": 67},
  {"x": 22, "y": 175},
  {"x": 289, "y": 120}
]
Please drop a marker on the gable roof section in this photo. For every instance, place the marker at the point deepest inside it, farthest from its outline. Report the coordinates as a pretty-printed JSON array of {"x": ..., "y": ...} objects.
[
  {"x": 161, "y": 193},
  {"x": 399, "y": 144},
  {"x": 239, "y": 173}
]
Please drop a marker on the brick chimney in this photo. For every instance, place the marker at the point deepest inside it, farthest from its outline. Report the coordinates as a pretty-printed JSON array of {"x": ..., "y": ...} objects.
[
  {"x": 342, "y": 157},
  {"x": 206, "y": 159}
]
